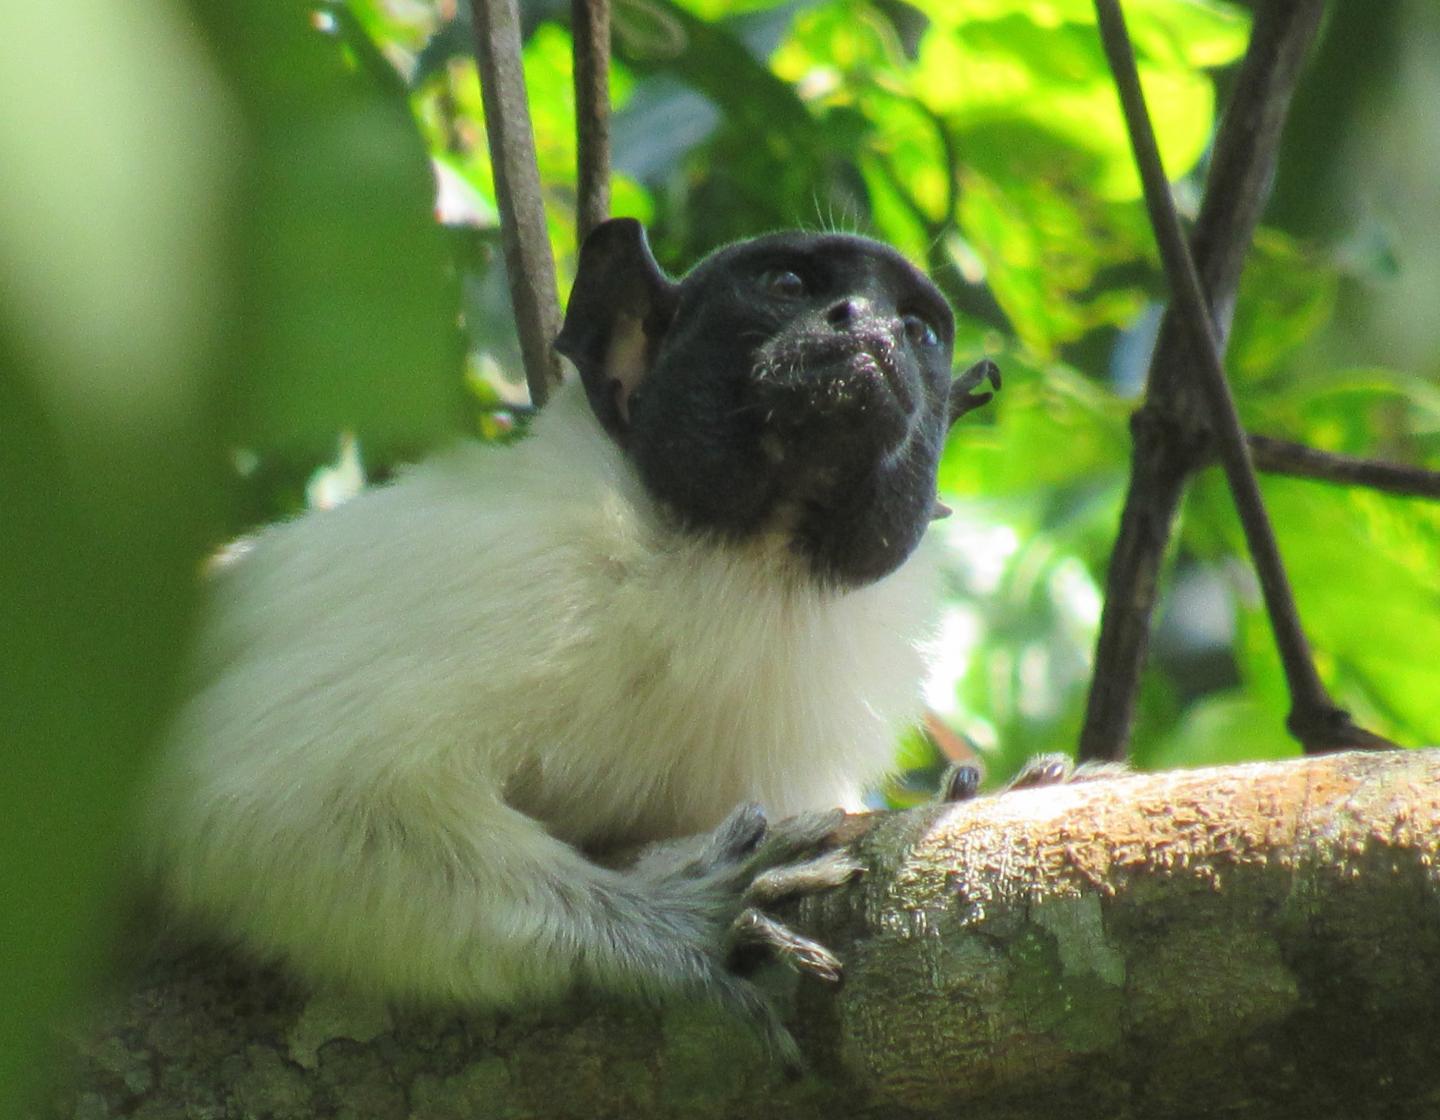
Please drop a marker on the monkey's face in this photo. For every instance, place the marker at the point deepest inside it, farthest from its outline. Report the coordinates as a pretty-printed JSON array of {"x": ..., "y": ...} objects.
[
  {"x": 797, "y": 381},
  {"x": 831, "y": 349}
]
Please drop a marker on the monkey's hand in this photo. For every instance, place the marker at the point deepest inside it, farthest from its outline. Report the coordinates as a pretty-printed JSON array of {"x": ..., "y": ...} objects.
[{"x": 741, "y": 868}]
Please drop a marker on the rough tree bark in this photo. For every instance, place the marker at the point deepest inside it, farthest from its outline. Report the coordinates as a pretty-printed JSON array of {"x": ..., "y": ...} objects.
[{"x": 1258, "y": 941}]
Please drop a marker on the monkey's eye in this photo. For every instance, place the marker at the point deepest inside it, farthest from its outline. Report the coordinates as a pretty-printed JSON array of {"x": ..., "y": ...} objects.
[
  {"x": 782, "y": 282},
  {"x": 919, "y": 331}
]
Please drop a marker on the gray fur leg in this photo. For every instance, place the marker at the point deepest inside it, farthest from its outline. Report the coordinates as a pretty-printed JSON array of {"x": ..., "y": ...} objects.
[{"x": 703, "y": 896}]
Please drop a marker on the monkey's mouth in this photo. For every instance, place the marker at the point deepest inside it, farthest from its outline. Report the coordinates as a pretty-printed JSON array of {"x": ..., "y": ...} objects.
[
  {"x": 858, "y": 375},
  {"x": 879, "y": 365}
]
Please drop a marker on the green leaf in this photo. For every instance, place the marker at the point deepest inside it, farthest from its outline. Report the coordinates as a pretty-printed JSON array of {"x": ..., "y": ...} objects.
[
  {"x": 1287, "y": 293},
  {"x": 1362, "y": 568},
  {"x": 1221, "y": 729},
  {"x": 350, "y": 310},
  {"x": 1049, "y": 426},
  {"x": 1042, "y": 63}
]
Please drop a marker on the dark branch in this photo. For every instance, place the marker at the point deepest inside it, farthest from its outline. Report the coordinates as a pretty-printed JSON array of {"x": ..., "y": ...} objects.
[
  {"x": 590, "y": 28},
  {"x": 1171, "y": 433},
  {"x": 1281, "y": 456},
  {"x": 528, "y": 262},
  {"x": 1314, "y": 718}
]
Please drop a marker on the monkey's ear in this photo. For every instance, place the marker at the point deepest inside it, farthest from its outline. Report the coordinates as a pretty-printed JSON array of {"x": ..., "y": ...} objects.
[{"x": 619, "y": 308}]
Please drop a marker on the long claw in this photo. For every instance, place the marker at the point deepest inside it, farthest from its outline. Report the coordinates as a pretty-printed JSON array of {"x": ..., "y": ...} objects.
[{"x": 752, "y": 928}]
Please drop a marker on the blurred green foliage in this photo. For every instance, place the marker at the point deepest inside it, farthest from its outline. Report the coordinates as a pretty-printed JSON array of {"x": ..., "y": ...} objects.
[{"x": 221, "y": 244}]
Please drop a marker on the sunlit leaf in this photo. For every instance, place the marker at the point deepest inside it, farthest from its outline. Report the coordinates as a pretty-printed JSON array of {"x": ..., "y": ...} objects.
[
  {"x": 1286, "y": 294},
  {"x": 1043, "y": 64},
  {"x": 1047, "y": 427},
  {"x": 1362, "y": 566}
]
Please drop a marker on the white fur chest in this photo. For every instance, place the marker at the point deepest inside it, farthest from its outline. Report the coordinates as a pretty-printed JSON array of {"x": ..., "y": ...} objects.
[{"x": 715, "y": 677}]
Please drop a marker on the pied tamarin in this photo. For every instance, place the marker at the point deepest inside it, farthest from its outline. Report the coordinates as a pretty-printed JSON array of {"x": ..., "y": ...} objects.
[{"x": 693, "y": 600}]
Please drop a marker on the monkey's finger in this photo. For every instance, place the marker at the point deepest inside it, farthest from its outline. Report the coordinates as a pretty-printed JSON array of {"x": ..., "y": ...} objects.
[
  {"x": 833, "y": 869},
  {"x": 797, "y": 836},
  {"x": 738, "y": 836},
  {"x": 962, "y": 400},
  {"x": 1058, "y": 769},
  {"x": 1096, "y": 771},
  {"x": 1043, "y": 770},
  {"x": 810, "y": 958},
  {"x": 961, "y": 783}
]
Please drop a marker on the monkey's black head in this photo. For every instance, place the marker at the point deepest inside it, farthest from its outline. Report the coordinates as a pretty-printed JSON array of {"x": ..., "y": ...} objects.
[{"x": 796, "y": 381}]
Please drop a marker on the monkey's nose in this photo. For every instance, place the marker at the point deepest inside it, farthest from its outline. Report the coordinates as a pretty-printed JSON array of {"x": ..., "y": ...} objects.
[{"x": 848, "y": 312}]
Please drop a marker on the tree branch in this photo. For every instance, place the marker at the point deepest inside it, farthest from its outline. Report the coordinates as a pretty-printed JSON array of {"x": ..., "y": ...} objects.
[
  {"x": 1171, "y": 432},
  {"x": 590, "y": 31},
  {"x": 529, "y": 264},
  {"x": 1315, "y": 719},
  {"x": 1264, "y": 939},
  {"x": 1281, "y": 456}
]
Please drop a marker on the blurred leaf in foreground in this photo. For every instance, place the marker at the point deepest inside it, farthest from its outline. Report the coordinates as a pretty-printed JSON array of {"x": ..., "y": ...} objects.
[{"x": 116, "y": 177}]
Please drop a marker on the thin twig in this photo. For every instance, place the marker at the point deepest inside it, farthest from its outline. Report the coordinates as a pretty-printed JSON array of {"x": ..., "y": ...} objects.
[
  {"x": 1281, "y": 456},
  {"x": 1314, "y": 718},
  {"x": 590, "y": 30},
  {"x": 1171, "y": 432},
  {"x": 529, "y": 264}
]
